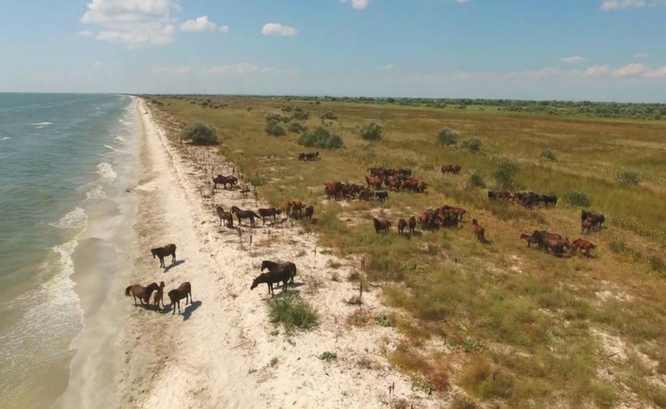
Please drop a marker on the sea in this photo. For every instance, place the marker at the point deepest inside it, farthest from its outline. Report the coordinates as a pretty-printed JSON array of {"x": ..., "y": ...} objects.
[{"x": 67, "y": 166}]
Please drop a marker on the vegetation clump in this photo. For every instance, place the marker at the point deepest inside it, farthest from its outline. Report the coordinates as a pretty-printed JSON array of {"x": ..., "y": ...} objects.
[
  {"x": 548, "y": 155},
  {"x": 576, "y": 198},
  {"x": 372, "y": 131},
  {"x": 275, "y": 128},
  {"x": 276, "y": 117},
  {"x": 447, "y": 137},
  {"x": 296, "y": 127},
  {"x": 472, "y": 144},
  {"x": 293, "y": 312},
  {"x": 476, "y": 179},
  {"x": 329, "y": 115},
  {"x": 320, "y": 138},
  {"x": 629, "y": 177},
  {"x": 505, "y": 173},
  {"x": 201, "y": 134},
  {"x": 301, "y": 115}
]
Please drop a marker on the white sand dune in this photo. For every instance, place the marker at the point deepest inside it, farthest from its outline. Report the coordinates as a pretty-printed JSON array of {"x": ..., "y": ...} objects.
[{"x": 226, "y": 354}]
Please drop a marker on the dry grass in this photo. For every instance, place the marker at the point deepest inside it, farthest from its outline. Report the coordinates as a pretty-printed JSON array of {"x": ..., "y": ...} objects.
[{"x": 530, "y": 314}]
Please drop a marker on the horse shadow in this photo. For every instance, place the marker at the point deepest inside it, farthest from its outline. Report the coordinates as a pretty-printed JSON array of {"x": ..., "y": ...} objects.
[
  {"x": 148, "y": 307},
  {"x": 282, "y": 294},
  {"x": 187, "y": 313},
  {"x": 172, "y": 265},
  {"x": 296, "y": 285}
]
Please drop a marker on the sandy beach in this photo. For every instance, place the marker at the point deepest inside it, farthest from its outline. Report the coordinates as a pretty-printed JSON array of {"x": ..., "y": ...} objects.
[{"x": 223, "y": 352}]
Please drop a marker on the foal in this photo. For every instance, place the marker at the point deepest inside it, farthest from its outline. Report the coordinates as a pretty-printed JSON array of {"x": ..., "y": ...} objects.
[
  {"x": 159, "y": 297},
  {"x": 479, "y": 231}
]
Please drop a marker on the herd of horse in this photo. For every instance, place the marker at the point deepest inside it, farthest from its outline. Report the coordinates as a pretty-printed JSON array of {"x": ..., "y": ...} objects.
[
  {"x": 308, "y": 157},
  {"x": 527, "y": 199},
  {"x": 295, "y": 209}
]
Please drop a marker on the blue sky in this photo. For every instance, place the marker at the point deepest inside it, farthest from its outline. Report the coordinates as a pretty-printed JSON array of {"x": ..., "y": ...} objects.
[{"x": 527, "y": 49}]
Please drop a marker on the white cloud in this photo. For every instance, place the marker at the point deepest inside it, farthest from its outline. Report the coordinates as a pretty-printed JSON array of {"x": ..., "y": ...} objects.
[
  {"x": 224, "y": 29},
  {"x": 357, "y": 4},
  {"x": 200, "y": 25},
  {"x": 238, "y": 69},
  {"x": 658, "y": 73},
  {"x": 548, "y": 72},
  {"x": 84, "y": 33},
  {"x": 389, "y": 67},
  {"x": 186, "y": 69},
  {"x": 641, "y": 56},
  {"x": 630, "y": 71},
  {"x": 133, "y": 22},
  {"x": 573, "y": 60},
  {"x": 275, "y": 29},
  {"x": 608, "y": 5},
  {"x": 597, "y": 71}
]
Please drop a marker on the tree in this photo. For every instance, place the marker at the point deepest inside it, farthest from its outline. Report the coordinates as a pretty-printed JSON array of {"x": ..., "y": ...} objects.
[
  {"x": 505, "y": 173},
  {"x": 447, "y": 137},
  {"x": 200, "y": 134}
]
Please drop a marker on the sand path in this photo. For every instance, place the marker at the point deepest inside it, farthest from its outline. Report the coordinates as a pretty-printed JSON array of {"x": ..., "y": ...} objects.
[{"x": 223, "y": 352}]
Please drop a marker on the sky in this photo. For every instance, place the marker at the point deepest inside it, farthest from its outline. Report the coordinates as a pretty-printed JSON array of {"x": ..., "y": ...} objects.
[{"x": 600, "y": 50}]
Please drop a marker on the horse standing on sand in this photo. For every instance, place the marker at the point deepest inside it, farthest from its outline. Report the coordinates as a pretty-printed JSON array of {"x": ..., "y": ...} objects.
[
  {"x": 183, "y": 291},
  {"x": 161, "y": 252},
  {"x": 273, "y": 277},
  {"x": 274, "y": 267},
  {"x": 159, "y": 297},
  {"x": 244, "y": 214},
  {"x": 141, "y": 292}
]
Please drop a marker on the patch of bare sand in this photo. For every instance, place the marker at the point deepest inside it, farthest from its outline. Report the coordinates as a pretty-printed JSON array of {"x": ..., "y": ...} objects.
[{"x": 223, "y": 352}]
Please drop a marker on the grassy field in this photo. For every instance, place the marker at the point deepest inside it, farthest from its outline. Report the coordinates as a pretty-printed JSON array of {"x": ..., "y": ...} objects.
[{"x": 510, "y": 325}]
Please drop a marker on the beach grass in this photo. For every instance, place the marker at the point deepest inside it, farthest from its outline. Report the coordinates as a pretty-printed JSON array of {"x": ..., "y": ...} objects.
[{"x": 507, "y": 323}]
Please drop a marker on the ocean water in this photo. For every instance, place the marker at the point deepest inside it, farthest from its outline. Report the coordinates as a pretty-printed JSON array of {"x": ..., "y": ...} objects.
[{"x": 65, "y": 164}]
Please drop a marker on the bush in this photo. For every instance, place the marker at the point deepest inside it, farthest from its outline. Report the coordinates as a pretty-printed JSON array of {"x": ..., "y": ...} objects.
[
  {"x": 629, "y": 177},
  {"x": 548, "y": 155},
  {"x": 296, "y": 127},
  {"x": 201, "y": 134},
  {"x": 287, "y": 108},
  {"x": 301, "y": 115},
  {"x": 372, "y": 131},
  {"x": 274, "y": 128},
  {"x": 329, "y": 115},
  {"x": 505, "y": 173},
  {"x": 275, "y": 117},
  {"x": 293, "y": 311},
  {"x": 472, "y": 144},
  {"x": 447, "y": 137},
  {"x": 320, "y": 138},
  {"x": 476, "y": 179},
  {"x": 576, "y": 198}
]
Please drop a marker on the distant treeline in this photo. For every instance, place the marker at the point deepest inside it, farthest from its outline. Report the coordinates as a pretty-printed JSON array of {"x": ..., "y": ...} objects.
[{"x": 643, "y": 111}]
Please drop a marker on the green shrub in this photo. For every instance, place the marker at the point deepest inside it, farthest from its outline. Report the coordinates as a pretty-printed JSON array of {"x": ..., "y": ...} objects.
[
  {"x": 476, "y": 179},
  {"x": 292, "y": 311},
  {"x": 287, "y": 108},
  {"x": 505, "y": 173},
  {"x": 329, "y": 115},
  {"x": 372, "y": 131},
  {"x": 472, "y": 144},
  {"x": 320, "y": 138},
  {"x": 274, "y": 128},
  {"x": 447, "y": 137},
  {"x": 548, "y": 155},
  {"x": 276, "y": 117},
  {"x": 576, "y": 198},
  {"x": 328, "y": 356},
  {"x": 296, "y": 127},
  {"x": 629, "y": 177},
  {"x": 301, "y": 115},
  {"x": 201, "y": 134}
]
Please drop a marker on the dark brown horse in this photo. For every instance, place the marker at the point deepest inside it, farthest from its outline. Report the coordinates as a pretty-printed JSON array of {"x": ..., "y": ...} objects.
[
  {"x": 226, "y": 216},
  {"x": 159, "y": 297},
  {"x": 381, "y": 225},
  {"x": 244, "y": 214},
  {"x": 412, "y": 225},
  {"x": 530, "y": 240},
  {"x": 402, "y": 225},
  {"x": 141, "y": 292},
  {"x": 297, "y": 207},
  {"x": 183, "y": 291},
  {"x": 309, "y": 212},
  {"x": 161, "y": 252},
  {"x": 274, "y": 266},
  {"x": 269, "y": 212},
  {"x": 224, "y": 181},
  {"x": 479, "y": 231},
  {"x": 272, "y": 277}
]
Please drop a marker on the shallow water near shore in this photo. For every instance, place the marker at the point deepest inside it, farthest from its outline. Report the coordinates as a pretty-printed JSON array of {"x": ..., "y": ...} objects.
[{"x": 65, "y": 164}]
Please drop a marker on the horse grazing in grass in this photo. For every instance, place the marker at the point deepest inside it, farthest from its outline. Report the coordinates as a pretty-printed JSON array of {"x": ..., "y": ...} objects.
[
  {"x": 589, "y": 220},
  {"x": 161, "y": 252},
  {"x": 269, "y": 212},
  {"x": 412, "y": 225},
  {"x": 582, "y": 245},
  {"x": 183, "y": 291},
  {"x": 402, "y": 225},
  {"x": 381, "y": 225},
  {"x": 479, "y": 231},
  {"x": 226, "y": 216},
  {"x": 273, "y": 277},
  {"x": 159, "y": 297},
  {"x": 141, "y": 292},
  {"x": 274, "y": 266},
  {"x": 309, "y": 212},
  {"x": 244, "y": 214},
  {"x": 530, "y": 240}
]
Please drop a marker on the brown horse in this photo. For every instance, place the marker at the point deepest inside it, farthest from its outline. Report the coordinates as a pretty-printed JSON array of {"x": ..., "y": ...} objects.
[
  {"x": 287, "y": 208},
  {"x": 309, "y": 212},
  {"x": 412, "y": 225},
  {"x": 381, "y": 225},
  {"x": 269, "y": 212},
  {"x": 374, "y": 182},
  {"x": 141, "y": 292},
  {"x": 297, "y": 207},
  {"x": 159, "y": 297},
  {"x": 161, "y": 252},
  {"x": 183, "y": 291},
  {"x": 582, "y": 245},
  {"x": 224, "y": 181},
  {"x": 479, "y": 231},
  {"x": 530, "y": 240},
  {"x": 244, "y": 214},
  {"x": 226, "y": 216},
  {"x": 402, "y": 225}
]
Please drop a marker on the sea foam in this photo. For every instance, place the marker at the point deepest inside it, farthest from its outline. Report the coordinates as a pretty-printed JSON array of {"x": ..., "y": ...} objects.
[
  {"x": 76, "y": 219},
  {"x": 106, "y": 172}
]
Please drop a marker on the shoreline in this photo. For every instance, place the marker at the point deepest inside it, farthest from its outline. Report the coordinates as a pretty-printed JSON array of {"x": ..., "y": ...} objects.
[{"x": 224, "y": 352}]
